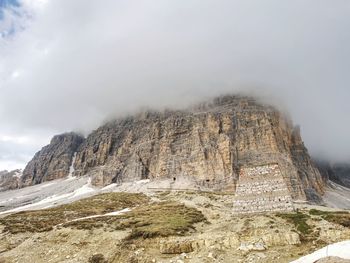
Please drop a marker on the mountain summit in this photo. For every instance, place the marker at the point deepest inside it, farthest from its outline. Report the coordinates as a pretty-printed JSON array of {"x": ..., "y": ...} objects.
[{"x": 212, "y": 144}]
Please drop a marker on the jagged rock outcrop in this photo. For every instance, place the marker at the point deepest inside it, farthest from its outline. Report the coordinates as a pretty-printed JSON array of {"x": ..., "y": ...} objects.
[
  {"x": 210, "y": 143},
  {"x": 9, "y": 180},
  {"x": 52, "y": 161},
  {"x": 336, "y": 172}
]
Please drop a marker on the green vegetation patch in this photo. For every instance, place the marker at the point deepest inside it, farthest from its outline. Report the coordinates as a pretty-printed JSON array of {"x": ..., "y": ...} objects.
[
  {"x": 46, "y": 219},
  {"x": 147, "y": 221},
  {"x": 164, "y": 219},
  {"x": 300, "y": 222},
  {"x": 337, "y": 217}
]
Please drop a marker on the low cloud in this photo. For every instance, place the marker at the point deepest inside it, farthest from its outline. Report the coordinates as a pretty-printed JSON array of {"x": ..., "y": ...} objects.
[{"x": 69, "y": 65}]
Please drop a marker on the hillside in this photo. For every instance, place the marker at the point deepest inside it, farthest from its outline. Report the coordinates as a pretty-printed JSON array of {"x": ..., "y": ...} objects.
[{"x": 167, "y": 227}]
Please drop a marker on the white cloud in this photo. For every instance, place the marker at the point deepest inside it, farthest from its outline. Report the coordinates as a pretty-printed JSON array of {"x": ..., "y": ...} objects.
[
  {"x": 15, "y": 74},
  {"x": 17, "y": 150},
  {"x": 79, "y": 62}
]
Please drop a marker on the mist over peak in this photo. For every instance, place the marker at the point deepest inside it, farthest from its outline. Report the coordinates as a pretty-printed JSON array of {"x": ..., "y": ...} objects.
[{"x": 71, "y": 65}]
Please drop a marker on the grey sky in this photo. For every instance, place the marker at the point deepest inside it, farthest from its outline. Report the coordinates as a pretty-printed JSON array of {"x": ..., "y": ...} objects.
[{"x": 72, "y": 64}]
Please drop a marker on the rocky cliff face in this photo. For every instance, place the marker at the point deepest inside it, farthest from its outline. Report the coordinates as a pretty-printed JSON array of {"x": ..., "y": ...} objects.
[
  {"x": 210, "y": 144},
  {"x": 9, "y": 180},
  {"x": 336, "y": 172},
  {"x": 52, "y": 161}
]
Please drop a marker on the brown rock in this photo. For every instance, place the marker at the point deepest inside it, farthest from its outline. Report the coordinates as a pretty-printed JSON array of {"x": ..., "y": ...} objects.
[
  {"x": 9, "y": 180},
  {"x": 52, "y": 161},
  {"x": 335, "y": 172},
  {"x": 209, "y": 144},
  {"x": 176, "y": 247}
]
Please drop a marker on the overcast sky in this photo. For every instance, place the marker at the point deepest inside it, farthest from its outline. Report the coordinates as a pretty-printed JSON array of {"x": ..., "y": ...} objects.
[{"x": 70, "y": 64}]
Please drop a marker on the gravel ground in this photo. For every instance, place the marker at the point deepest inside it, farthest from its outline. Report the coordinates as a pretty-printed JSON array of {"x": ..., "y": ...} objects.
[
  {"x": 45, "y": 195},
  {"x": 337, "y": 196},
  {"x": 63, "y": 191}
]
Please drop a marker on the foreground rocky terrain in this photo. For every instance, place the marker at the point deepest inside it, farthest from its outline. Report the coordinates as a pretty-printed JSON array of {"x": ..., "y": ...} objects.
[{"x": 165, "y": 226}]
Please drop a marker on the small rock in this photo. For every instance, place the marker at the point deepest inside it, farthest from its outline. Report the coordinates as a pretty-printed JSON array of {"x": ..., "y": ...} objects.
[
  {"x": 261, "y": 255},
  {"x": 210, "y": 255},
  {"x": 176, "y": 247},
  {"x": 183, "y": 255}
]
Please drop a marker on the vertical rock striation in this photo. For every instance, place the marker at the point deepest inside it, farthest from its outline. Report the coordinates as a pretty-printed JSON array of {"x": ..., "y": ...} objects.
[
  {"x": 209, "y": 143},
  {"x": 52, "y": 161},
  {"x": 335, "y": 172},
  {"x": 9, "y": 180}
]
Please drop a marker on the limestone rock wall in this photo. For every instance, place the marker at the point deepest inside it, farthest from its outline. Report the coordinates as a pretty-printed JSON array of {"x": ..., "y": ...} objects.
[
  {"x": 208, "y": 143},
  {"x": 9, "y": 180},
  {"x": 335, "y": 172},
  {"x": 52, "y": 161},
  {"x": 158, "y": 145}
]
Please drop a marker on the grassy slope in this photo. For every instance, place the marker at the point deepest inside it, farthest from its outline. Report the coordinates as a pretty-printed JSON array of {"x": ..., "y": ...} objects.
[{"x": 146, "y": 219}]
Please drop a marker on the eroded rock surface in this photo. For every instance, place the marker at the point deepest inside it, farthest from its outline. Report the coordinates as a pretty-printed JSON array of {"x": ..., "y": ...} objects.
[
  {"x": 52, "y": 161},
  {"x": 262, "y": 189},
  {"x": 208, "y": 144},
  {"x": 9, "y": 179},
  {"x": 336, "y": 172}
]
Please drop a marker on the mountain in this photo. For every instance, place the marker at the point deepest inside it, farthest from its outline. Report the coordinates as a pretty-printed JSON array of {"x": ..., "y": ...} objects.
[
  {"x": 9, "y": 180},
  {"x": 244, "y": 157},
  {"x": 336, "y": 172},
  {"x": 53, "y": 161},
  {"x": 209, "y": 144}
]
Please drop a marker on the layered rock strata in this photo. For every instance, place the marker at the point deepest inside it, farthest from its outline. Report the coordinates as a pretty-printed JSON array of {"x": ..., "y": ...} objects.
[
  {"x": 262, "y": 189},
  {"x": 336, "y": 172},
  {"x": 9, "y": 180},
  {"x": 209, "y": 144},
  {"x": 53, "y": 161}
]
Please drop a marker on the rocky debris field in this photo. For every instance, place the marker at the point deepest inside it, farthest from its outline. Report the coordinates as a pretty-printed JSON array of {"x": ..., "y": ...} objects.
[
  {"x": 44, "y": 195},
  {"x": 164, "y": 226}
]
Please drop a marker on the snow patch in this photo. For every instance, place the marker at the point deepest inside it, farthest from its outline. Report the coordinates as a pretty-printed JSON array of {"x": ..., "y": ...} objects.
[
  {"x": 110, "y": 186},
  {"x": 341, "y": 249},
  {"x": 116, "y": 213},
  {"x": 46, "y": 185},
  {"x": 49, "y": 200},
  {"x": 115, "y": 185},
  {"x": 145, "y": 181},
  {"x": 7, "y": 200},
  {"x": 71, "y": 168},
  {"x": 85, "y": 189},
  {"x": 337, "y": 186},
  {"x": 52, "y": 200}
]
